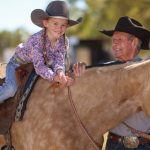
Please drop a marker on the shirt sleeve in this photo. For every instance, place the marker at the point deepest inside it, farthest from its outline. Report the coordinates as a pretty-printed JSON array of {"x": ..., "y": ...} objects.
[{"x": 38, "y": 60}]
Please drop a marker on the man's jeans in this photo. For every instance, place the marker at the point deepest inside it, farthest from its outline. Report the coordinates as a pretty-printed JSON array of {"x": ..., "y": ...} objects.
[
  {"x": 9, "y": 87},
  {"x": 114, "y": 145}
]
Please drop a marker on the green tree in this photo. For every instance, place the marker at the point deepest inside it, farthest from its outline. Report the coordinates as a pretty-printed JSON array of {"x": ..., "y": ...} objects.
[
  {"x": 103, "y": 14},
  {"x": 12, "y": 39}
]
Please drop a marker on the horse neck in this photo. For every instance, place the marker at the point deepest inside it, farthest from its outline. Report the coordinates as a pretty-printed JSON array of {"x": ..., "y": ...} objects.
[{"x": 102, "y": 93}]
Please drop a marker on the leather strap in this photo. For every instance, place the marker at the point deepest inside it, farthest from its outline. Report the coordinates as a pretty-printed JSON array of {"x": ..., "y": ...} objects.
[
  {"x": 95, "y": 145},
  {"x": 137, "y": 132},
  {"x": 117, "y": 138}
]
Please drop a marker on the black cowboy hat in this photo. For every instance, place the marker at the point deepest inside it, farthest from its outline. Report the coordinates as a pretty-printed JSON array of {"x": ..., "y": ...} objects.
[
  {"x": 131, "y": 26},
  {"x": 57, "y": 9}
]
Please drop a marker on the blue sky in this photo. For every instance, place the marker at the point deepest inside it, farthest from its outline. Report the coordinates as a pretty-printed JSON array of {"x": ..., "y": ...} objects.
[{"x": 16, "y": 13}]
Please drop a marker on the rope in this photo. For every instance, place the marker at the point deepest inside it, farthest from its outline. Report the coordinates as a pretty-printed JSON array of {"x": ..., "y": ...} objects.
[
  {"x": 69, "y": 91},
  {"x": 80, "y": 122}
]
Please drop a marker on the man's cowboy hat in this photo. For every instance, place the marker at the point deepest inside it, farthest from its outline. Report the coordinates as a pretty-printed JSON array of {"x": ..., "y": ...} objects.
[
  {"x": 57, "y": 9},
  {"x": 132, "y": 26}
]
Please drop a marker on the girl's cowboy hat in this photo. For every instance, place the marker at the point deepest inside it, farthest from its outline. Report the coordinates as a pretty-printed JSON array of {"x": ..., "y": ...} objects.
[
  {"x": 57, "y": 9},
  {"x": 131, "y": 26}
]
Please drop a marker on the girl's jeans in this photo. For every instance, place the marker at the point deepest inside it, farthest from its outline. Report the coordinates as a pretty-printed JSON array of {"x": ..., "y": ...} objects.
[
  {"x": 9, "y": 87},
  {"x": 114, "y": 145}
]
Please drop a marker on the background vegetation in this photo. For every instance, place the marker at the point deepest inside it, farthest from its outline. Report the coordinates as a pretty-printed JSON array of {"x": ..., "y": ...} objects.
[
  {"x": 103, "y": 14},
  {"x": 97, "y": 14}
]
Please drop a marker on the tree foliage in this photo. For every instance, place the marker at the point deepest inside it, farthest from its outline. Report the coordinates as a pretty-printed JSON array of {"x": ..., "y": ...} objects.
[
  {"x": 97, "y": 14},
  {"x": 103, "y": 14},
  {"x": 12, "y": 38}
]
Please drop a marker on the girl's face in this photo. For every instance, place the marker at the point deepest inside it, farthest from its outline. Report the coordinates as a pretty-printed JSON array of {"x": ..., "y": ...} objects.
[{"x": 56, "y": 27}]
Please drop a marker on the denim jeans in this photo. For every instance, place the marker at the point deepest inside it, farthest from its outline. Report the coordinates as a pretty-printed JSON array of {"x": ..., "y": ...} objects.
[
  {"x": 9, "y": 87},
  {"x": 114, "y": 145}
]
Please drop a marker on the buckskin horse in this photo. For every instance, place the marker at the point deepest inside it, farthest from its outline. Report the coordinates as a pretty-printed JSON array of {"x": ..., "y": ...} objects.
[{"x": 74, "y": 118}]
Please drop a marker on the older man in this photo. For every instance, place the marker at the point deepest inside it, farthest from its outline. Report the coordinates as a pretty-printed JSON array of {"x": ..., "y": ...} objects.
[{"x": 128, "y": 37}]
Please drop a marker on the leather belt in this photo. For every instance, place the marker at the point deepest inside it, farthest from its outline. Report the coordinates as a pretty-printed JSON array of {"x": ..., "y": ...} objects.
[{"x": 117, "y": 138}]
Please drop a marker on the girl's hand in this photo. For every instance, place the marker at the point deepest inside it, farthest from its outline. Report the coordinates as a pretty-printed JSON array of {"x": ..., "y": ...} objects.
[{"x": 63, "y": 79}]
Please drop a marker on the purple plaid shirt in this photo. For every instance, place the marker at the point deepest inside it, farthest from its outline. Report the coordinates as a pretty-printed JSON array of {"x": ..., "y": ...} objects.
[{"x": 32, "y": 51}]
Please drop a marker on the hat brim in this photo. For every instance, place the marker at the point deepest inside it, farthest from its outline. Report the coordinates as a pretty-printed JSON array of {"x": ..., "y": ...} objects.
[
  {"x": 141, "y": 33},
  {"x": 38, "y": 15}
]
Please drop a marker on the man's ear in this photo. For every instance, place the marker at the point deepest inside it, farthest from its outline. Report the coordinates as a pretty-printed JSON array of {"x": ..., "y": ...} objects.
[{"x": 135, "y": 42}]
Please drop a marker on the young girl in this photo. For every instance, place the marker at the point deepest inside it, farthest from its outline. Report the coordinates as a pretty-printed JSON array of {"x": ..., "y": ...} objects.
[{"x": 45, "y": 49}]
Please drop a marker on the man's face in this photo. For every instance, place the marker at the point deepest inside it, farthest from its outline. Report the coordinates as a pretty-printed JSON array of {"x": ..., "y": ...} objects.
[{"x": 122, "y": 46}]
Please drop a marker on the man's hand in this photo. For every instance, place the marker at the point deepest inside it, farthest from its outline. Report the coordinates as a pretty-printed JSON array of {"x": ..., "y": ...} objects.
[{"x": 79, "y": 69}]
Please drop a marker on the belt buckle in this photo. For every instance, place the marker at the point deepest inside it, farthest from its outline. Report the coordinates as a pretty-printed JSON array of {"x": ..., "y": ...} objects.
[{"x": 131, "y": 141}]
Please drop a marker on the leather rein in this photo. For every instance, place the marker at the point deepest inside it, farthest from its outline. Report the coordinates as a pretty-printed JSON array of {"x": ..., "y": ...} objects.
[
  {"x": 82, "y": 126},
  {"x": 70, "y": 94}
]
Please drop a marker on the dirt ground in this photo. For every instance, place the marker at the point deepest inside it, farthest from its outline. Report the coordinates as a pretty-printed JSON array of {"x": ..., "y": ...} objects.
[
  {"x": 105, "y": 138},
  {"x": 2, "y": 70}
]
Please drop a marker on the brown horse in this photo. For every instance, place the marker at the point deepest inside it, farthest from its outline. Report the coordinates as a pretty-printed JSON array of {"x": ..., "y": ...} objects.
[{"x": 103, "y": 96}]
